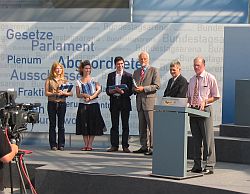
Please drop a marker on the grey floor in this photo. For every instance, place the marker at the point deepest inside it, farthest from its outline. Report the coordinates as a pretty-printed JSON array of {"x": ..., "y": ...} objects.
[{"x": 228, "y": 176}]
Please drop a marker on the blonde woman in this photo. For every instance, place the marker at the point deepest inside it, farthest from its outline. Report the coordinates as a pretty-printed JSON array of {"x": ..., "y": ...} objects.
[{"x": 56, "y": 105}]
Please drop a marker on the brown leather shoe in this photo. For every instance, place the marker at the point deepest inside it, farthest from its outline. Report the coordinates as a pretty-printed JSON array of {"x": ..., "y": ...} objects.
[
  {"x": 112, "y": 149},
  {"x": 126, "y": 150}
]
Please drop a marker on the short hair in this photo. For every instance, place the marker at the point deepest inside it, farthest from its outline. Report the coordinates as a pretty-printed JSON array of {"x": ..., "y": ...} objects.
[
  {"x": 143, "y": 52},
  {"x": 200, "y": 57},
  {"x": 118, "y": 58},
  {"x": 175, "y": 62}
]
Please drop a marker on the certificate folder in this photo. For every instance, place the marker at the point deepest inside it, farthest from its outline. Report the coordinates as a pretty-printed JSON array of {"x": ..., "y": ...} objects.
[
  {"x": 121, "y": 86},
  {"x": 66, "y": 87}
]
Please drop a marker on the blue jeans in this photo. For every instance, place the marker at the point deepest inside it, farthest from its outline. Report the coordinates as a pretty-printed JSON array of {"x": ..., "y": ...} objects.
[{"x": 56, "y": 109}]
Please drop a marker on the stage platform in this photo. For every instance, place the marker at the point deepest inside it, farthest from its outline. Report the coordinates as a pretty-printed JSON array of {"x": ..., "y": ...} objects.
[{"x": 73, "y": 171}]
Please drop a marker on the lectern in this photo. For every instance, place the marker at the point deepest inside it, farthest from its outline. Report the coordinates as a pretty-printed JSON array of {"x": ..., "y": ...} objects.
[{"x": 171, "y": 124}]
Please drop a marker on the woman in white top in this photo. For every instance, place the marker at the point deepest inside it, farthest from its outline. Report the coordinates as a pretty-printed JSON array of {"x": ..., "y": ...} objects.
[{"x": 89, "y": 121}]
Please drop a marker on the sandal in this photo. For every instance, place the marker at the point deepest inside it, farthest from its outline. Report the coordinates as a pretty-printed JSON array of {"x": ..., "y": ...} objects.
[
  {"x": 89, "y": 149},
  {"x": 84, "y": 149}
]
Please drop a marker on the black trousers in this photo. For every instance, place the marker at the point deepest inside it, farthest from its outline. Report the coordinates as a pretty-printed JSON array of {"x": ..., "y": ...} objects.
[
  {"x": 114, "y": 132},
  {"x": 56, "y": 109}
]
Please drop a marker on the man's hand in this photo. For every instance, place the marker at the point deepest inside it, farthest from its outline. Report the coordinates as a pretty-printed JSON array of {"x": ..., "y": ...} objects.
[
  {"x": 139, "y": 89},
  {"x": 203, "y": 104},
  {"x": 119, "y": 91},
  {"x": 116, "y": 91}
]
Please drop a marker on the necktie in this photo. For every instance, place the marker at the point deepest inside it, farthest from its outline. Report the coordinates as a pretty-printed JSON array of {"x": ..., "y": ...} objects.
[
  {"x": 142, "y": 75},
  {"x": 195, "y": 100}
]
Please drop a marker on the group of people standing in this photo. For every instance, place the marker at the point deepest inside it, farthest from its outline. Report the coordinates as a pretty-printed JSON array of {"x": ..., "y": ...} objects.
[{"x": 201, "y": 91}]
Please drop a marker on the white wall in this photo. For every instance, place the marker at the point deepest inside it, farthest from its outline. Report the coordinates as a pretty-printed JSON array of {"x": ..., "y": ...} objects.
[{"x": 164, "y": 42}]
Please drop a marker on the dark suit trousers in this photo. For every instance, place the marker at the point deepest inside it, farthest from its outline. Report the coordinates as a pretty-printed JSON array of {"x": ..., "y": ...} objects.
[
  {"x": 203, "y": 137},
  {"x": 114, "y": 132}
]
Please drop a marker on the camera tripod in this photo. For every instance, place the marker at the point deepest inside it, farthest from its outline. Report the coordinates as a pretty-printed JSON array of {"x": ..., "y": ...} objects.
[{"x": 22, "y": 172}]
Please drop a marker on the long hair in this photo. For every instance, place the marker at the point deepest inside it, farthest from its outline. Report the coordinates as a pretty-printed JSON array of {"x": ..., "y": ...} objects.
[{"x": 53, "y": 74}]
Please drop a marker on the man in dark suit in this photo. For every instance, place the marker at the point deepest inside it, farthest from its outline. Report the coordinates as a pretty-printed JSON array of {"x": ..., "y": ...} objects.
[
  {"x": 177, "y": 85},
  {"x": 147, "y": 82},
  {"x": 119, "y": 104}
]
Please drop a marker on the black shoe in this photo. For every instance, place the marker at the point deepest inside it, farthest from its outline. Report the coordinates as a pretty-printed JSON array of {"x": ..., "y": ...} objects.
[
  {"x": 141, "y": 150},
  {"x": 54, "y": 148},
  {"x": 194, "y": 170},
  {"x": 126, "y": 150},
  {"x": 207, "y": 171},
  {"x": 149, "y": 153},
  {"x": 112, "y": 149},
  {"x": 61, "y": 148}
]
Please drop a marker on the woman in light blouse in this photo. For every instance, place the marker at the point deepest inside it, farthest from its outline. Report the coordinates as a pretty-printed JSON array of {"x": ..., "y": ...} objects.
[{"x": 89, "y": 121}]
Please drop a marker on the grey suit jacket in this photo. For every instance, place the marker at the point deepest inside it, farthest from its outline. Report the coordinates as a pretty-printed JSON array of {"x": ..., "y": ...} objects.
[{"x": 151, "y": 83}]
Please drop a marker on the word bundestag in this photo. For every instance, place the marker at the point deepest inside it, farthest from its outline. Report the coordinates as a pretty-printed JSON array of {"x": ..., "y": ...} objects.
[{"x": 44, "y": 41}]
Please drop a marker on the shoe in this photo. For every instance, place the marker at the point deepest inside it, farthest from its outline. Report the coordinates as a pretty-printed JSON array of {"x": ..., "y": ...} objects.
[
  {"x": 126, "y": 150},
  {"x": 112, "y": 149},
  {"x": 61, "y": 148},
  {"x": 141, "y": 150},
  {"x": 149, "y": 153},
  {"x": 194, "y": 170},
  {"x": 207, "y": 171},
  {"x": 54, "y": 148}
]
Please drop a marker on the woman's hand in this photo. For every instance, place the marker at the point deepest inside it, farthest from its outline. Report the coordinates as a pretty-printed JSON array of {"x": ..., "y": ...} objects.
[
  {"x": 85, "y": 95},
  {"x": 60, "y": 93},
  {"x": 88, "y": 99}
]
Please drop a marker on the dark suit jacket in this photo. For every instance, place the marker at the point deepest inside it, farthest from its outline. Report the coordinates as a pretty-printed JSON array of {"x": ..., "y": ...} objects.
[
  {"x": 179, "y": 88},
  {"x": 122, "y": 102}
]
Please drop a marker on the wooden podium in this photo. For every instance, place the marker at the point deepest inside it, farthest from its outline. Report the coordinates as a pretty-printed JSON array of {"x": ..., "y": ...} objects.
[{"x": 171, "y": 124}]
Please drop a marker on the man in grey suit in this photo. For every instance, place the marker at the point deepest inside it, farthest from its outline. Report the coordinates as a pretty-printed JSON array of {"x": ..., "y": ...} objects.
[{"x": 146, "y": 84}]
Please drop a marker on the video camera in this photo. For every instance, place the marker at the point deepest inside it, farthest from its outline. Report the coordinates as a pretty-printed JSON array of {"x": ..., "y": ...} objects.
[{"x": 15, "y": 116}]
